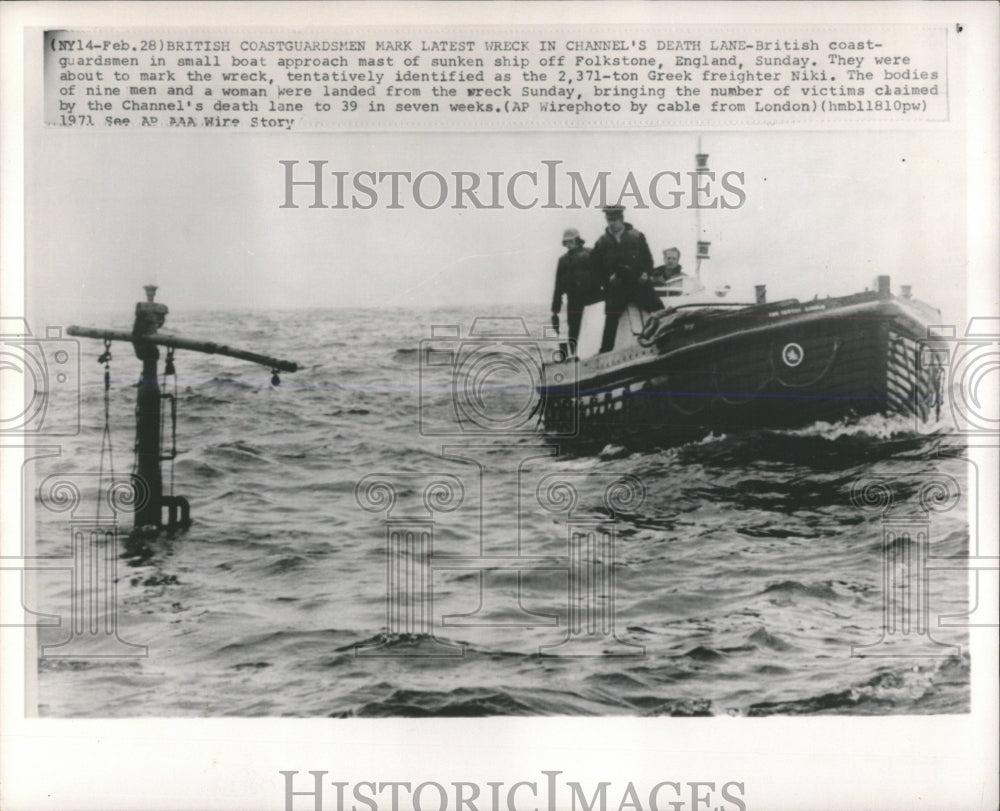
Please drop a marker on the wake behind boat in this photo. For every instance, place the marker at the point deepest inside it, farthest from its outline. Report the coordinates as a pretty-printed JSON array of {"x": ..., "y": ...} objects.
[{"x": 702, "y": 366}]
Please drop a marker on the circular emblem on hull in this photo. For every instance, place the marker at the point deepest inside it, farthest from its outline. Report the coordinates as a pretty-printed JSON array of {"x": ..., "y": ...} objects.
[{"x": 792, "y": 355}]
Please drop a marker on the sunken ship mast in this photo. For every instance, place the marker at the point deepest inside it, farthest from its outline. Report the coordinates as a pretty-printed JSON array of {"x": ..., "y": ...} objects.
[
  {"x": 149, "y": 501},
  {"x": 705, "y": 364}
]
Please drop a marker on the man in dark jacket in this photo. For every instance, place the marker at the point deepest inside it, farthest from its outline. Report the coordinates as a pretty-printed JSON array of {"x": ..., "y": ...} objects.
[
  {"x": 670, "y": 268},
  {"x": 623, "y": 263},
  {"x": 576, "y": 281}
]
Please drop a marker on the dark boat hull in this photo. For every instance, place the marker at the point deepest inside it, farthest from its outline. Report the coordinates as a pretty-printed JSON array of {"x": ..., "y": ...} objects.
[{"x": 780, "y": 365}]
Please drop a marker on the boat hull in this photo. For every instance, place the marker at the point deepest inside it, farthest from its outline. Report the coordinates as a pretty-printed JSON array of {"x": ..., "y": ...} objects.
[{"x": 782, "y": 365}]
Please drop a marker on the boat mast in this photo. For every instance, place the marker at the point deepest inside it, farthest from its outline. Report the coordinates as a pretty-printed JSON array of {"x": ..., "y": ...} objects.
[
  {"x": 701, "y": 167},
  {"x": 149, "y": 500}
]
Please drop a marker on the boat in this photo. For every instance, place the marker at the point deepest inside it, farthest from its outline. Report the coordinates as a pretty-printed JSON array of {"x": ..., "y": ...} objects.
[{"x": 706, "y": 365}]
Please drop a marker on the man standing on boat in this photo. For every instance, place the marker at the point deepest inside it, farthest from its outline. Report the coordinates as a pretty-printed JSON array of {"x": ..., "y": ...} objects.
[
  {"x": 624, "y": 264},
  {"x": 576, "y": 281}
]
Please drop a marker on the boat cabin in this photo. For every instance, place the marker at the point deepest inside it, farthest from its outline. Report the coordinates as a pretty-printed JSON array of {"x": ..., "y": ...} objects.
[{"x": 679, "y": 290}]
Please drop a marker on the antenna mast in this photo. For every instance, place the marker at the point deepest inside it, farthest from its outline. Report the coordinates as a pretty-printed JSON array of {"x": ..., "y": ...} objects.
[{"x": 701, "y": 167}]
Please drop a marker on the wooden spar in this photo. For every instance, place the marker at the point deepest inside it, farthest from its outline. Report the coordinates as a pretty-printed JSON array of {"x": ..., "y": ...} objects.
[
  {"x": 176, "y": 342},
  {"x": 145, "y": 337}
]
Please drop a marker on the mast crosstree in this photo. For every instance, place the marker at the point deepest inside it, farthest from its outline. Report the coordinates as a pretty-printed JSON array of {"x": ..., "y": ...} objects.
[{"x": 145, "y": 337}]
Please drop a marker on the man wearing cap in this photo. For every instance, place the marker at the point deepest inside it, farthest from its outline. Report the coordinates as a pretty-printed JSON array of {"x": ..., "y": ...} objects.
[
  {"x": 576, "y": 281},
  {"x": 623, "y": 263}
]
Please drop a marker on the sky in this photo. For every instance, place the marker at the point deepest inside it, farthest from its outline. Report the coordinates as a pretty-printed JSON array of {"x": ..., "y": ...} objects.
[{"x": 200, "y": 214}]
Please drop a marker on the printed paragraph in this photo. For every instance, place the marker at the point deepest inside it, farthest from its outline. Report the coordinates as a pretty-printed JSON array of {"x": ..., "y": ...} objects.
[{"x": 352, "y": 80}]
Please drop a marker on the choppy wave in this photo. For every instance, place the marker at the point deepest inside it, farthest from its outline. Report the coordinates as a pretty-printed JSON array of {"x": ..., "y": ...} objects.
[{"x": 747, "y": 578}]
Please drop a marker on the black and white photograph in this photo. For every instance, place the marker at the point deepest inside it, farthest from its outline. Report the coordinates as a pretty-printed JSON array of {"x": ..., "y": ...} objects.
[{"x": 523, "y": 406}]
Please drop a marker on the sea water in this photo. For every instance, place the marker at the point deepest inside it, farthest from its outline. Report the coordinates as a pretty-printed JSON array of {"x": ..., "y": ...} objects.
[{"x": 747, "y": 574}]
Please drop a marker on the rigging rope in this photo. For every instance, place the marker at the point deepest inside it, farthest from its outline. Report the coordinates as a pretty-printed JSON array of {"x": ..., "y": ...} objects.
[
  {"x": 173, "y": 418},
  {"x": 170, "y": 371},
  {"x": 106, "y": 436}
]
